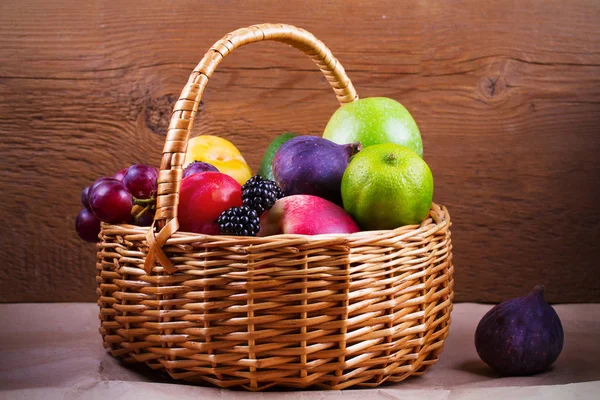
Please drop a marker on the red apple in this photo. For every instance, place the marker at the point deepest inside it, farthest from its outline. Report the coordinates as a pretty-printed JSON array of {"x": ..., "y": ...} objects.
[
  {"x": 306, "y": 215},
  {"x": 203, "y": 197}
]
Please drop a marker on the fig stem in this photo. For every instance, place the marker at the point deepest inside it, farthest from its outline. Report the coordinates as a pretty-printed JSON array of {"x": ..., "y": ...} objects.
[
  {"x": 353, "y": 148},
  {"x": 538, "y": 290}
]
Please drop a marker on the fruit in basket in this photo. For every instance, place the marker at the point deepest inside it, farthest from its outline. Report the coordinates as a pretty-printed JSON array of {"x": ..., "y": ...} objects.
[
  {"x": 305, "y": 215},
  {"x": 374, "y": 120},
  {"x": 99, "y": 181},
  {"x": 121, "y": 174},
  {"x": 203, "y": 197},
  {"x": 143, "y": 215},
  {"x": 266, "y": 165},
  {"x": 198, "y": 166},
  {"x": 220, "y": 153},
  {"x": 140, "y": 180},
  {"x": 312, "y": 165},
  {"x": 387, "y": 186},
  {"x": 260, "y": 194},
  {"x": 521, "y": 336},
  {"x": 128, "y": 199},
  {"x": 110, "y": 200},
  {"x": 239, "y": 221},
  {"x": 85, "y": 197},
  {"x": 87, "y": 225}
]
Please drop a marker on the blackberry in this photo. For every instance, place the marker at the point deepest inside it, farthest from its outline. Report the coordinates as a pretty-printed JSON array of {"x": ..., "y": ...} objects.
[
  {"x": 260, "y": 194},
  {"x": 239, "y": 221}
]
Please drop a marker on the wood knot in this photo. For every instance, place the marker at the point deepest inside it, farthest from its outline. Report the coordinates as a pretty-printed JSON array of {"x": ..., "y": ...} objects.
[{"x": 492, "y": 86}]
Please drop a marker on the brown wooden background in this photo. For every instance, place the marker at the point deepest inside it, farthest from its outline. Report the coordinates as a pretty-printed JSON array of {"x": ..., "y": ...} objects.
[{"x": 506, "y": 94}]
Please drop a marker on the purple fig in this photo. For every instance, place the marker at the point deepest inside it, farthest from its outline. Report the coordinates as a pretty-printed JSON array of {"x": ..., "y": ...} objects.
[
  {"x": 312, "y": 165},
  {"x": 521, "y": 336}
]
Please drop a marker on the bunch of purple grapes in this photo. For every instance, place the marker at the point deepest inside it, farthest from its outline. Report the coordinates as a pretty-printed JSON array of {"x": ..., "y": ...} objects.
[{"x": 129, "y": 196}]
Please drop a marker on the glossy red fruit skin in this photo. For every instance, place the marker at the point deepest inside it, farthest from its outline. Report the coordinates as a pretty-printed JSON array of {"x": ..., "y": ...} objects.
[
  {"x": 85, "y": 199},
  {"x": 110, "y": 201},
  {"x": 140, "y": 180},
  {"x": 96, "y": 183},
  {"x": 304, "y": 214},
  {"x": 203, "y": 196},
  {"x": 121, "y": 174},
  {"x": 87, "y": 225}
]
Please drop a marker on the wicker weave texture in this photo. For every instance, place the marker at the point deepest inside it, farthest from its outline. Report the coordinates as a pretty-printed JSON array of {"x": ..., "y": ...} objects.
[{"x": 327, "y": 311}]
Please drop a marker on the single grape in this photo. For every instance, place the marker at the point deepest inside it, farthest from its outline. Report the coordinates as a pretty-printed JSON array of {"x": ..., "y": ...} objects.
[
  {"x": 121, "y": 174},
  {"x": 140, "y": 180},
  {"x": 85, "y": 201},
  {"x": 110, "y": 201},
  {"x": 97, "y": 182},
  {"x": 198, "y": 166},
  {"x": 87, "y": 226}
]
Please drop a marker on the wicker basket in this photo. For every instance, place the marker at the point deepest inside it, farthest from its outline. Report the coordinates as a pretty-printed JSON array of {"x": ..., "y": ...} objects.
[{"x": 325, "y": 311}]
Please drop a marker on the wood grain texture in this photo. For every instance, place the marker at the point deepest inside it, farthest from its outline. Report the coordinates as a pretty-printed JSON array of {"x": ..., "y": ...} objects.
[{"x": 506, "y": 94}]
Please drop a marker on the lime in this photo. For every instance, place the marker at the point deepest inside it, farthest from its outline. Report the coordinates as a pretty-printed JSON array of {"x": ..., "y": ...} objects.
[
  {"x": 386, "y": 186},
  {"x": 266, "y": 165}
]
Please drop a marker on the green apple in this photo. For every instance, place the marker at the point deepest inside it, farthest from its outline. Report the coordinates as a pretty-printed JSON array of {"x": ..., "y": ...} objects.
[{"x": 374, "y": 120}]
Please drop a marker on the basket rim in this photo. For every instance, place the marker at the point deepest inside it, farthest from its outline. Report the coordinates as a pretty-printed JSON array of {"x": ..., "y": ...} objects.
[{"x": 437, "y": 219}]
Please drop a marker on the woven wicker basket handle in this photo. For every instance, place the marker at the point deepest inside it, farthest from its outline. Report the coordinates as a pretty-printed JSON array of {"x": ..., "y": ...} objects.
[{"x": 185, "y": 109}]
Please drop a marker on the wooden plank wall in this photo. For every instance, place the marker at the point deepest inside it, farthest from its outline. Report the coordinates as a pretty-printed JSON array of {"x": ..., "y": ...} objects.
[{"x": 506, "y": 93}]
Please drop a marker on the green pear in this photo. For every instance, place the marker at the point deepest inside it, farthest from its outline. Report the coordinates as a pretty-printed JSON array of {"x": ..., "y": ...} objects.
[{"x": 374, "y": 120}]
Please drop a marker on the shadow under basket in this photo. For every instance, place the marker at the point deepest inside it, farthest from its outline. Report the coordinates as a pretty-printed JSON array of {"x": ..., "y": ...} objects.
[{"x": 324, "y": 311}]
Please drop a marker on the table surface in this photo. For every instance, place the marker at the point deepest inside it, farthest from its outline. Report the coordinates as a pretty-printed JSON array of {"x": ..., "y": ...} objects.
[{"x": 54, "y": 350}]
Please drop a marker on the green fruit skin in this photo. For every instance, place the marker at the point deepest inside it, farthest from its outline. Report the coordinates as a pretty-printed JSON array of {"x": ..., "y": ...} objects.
[
  {"x": 374, "y": 120},
  {"x": 377, "y": 205},
  {"x": 266, "y": 165}
]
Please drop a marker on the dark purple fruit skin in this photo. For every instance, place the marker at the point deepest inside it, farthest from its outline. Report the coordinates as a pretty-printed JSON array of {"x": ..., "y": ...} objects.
[
  {"x": 96, "y": 183},
  {"x": 121, "y": 174},
  {"x": 87, "y": 226},
  {"x": 198, "y": 166},
  {"x": 145, "y": 219},
  {"x": 140, "y": 180},
  {"x": 522, "y": 336},
  {"x": 312, "y": 165},
  {"x": 110, "y": 201},
  {"x": 85, "y": 200}
]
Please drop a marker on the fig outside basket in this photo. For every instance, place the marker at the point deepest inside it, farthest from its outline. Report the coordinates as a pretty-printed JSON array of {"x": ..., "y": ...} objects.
[{"x": 325, "y": 311}]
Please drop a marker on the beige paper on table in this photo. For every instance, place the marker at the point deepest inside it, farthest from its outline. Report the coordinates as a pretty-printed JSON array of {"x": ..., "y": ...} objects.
[{"x": 50, "y": 351}]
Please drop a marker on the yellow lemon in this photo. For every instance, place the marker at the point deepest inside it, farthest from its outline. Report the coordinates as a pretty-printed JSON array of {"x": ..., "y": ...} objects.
[{"x": 220, "y": 153}]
